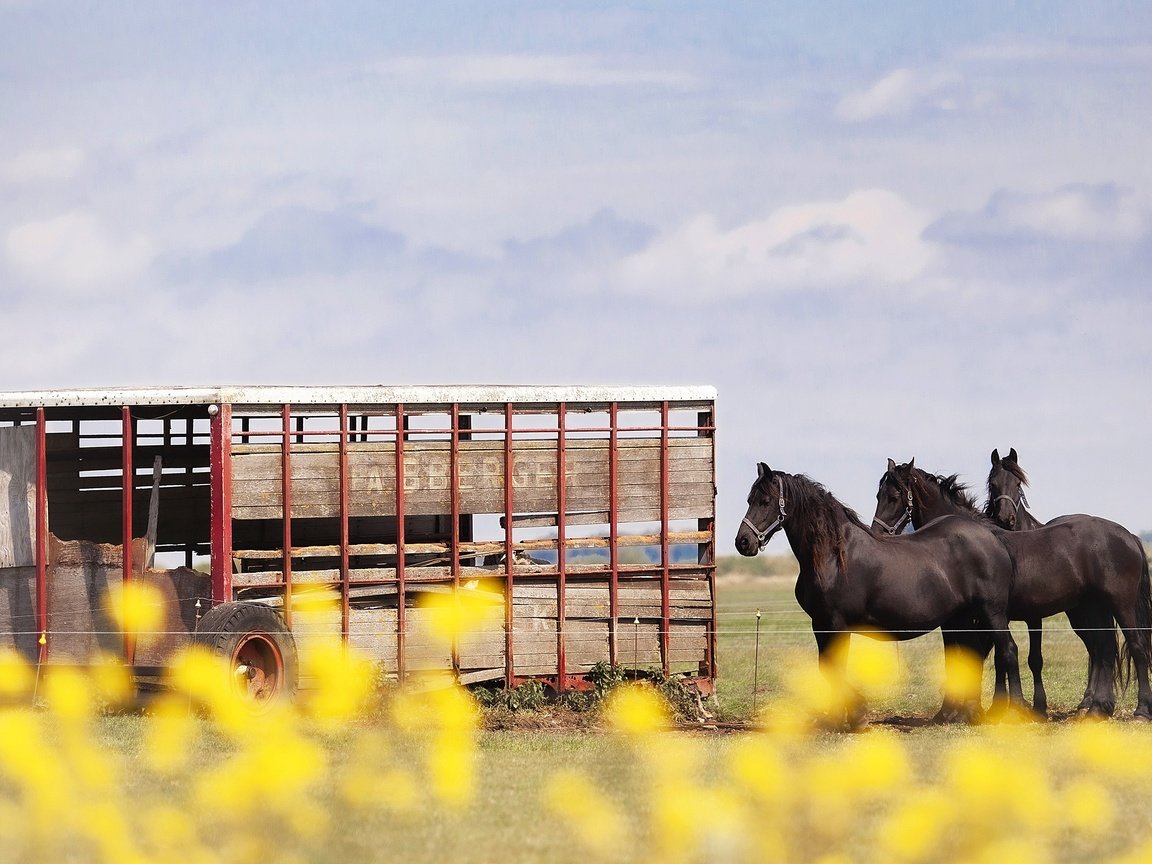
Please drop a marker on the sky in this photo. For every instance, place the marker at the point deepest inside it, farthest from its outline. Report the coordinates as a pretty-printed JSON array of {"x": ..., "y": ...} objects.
[{"x": 879, "y": 230}]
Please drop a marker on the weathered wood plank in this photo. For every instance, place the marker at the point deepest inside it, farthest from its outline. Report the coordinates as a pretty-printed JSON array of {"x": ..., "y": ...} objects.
[{"x": 18, "y": 492}]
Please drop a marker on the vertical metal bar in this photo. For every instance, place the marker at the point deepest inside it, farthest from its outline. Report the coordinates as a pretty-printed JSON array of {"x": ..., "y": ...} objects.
[
  {"x": 286, "y": 501},
  {"x": 401, "y": 618},
  {"x": 454, "y": 497},
  {"x": 42, "y": 532},
  {"x": 509, "y": 568},
  {"x": 613, "y": 533},
  {"x": 345, "y": 573},
  {"x": 127, "y": 487},
  {"x": 707, "y": 420},
  {"x": 665, "y": 586},
  {"x": 220, "y": 461},
  {"x": 561, "y": 543}
]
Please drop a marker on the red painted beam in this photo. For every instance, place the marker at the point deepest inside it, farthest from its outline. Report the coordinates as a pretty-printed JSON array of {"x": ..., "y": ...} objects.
[{"x": 220, "y": 462}]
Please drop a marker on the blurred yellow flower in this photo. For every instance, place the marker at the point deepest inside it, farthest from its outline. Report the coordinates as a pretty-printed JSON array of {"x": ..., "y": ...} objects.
[
  {"x": 342, "y": 681},
  {"x": 873, "y": 665},
  {"x": 636, "y": 709},
  {"x": 17, "y": 677},
  {"x": 1088, "y": 806},
  {"x": 137, "y": 608},
  {"x": 963, "y": 672},
  {"x": 596, "y": 820}
]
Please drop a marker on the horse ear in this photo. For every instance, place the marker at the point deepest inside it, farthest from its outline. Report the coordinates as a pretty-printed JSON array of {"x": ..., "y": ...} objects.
[
  {"x": 995, "y": 457},
  {"x": 891, "y": 466},
  {"x": 911, "y": 463},
  {"x": 762, "y": 469},
  {"x": 1012, "y": 455}
]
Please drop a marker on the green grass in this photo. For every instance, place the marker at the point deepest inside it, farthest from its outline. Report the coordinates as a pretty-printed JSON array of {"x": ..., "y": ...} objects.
[{"x": 786, "y": 639}]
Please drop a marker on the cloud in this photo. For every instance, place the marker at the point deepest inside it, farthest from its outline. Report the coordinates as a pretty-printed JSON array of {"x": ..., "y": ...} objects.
[
  {"x": 905, "y": 91},
  {"x": 75, "y": 252},
  {"x": 44, "y": 165},
  {"x": 871, "y": 236},
  {"x": 530, "y": 70},
  {"x": 293, "y": 241},
  {"x": 1085, "y": 213},
  {"x": 603, "y": 238}
]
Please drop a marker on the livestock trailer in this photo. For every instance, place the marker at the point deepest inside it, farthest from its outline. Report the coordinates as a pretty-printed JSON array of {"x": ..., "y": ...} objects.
[{"x": 581, "y": 517}]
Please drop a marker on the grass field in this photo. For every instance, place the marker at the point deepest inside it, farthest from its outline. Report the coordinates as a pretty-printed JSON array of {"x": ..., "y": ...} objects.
[
  {"x": 786, "y": 641},
  {"x": 1037, "y": 792}
]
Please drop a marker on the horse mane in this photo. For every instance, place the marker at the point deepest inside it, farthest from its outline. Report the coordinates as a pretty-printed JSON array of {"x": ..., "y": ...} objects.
[
  {"x": 822, "y": 512},
  {"x": 955, "y": 491}
]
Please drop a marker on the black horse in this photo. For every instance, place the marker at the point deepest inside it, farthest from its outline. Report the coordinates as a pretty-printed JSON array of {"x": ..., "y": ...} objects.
[
  {"x": 852, "y": 580},
  {"x": 1083, "y": 565}
]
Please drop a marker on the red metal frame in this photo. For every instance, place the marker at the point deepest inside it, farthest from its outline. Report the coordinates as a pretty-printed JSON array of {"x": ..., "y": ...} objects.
[
  {"x": 345, "y": 569},
  {"x": 613, "y": 534},
  {"x": 707, "y": 419},
  {"x": 220, "y": 459},
  {"x": 665, "y": 586},
  {"x": 42, "y": 532},
  {"x": 127, "y": 487},
  {"x": 454, "y": 498},
  {"x": 286, "y": 501},
  {"x": 561, "y": 544},
  {"x": 664, "y": 571},
  {"x": 509, "y": 568},
  {"x": 401, "y": 587}
]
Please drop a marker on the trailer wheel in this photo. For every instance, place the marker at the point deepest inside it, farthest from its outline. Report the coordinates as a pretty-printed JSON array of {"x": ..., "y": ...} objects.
[{"x": 259, "y": 648}]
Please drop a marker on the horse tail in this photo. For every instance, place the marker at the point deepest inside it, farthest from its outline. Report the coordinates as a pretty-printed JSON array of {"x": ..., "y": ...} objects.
[{"x": 1143, "y": 620}]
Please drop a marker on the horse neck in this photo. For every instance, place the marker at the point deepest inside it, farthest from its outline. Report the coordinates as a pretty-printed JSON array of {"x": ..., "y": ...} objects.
[
  {"x": 1025, "y": 521},
  {"x": 816, "y": 550}
]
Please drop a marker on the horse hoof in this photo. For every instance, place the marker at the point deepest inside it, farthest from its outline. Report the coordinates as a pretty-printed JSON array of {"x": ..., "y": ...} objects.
[{"x": 1142, "y": 718}]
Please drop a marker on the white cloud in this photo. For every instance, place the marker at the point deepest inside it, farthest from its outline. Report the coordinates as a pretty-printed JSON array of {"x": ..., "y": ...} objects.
[
  {"x": 872, "y": 236},
  {"x": 1076, "y": 212},
  {"x": 74, "y": 252},
  {"x": 902, "y": 92},
  {"x": 43, "y": 165},
  {"x": 530, "y": 70}
]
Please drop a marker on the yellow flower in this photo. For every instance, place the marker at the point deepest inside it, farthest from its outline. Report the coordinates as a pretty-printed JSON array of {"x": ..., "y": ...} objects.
[
  {"x": 342, "y": 682},
  {"x": 17, "y": 677},
  {"x": 916, "y": 827},
  {"x": 597, "y": 821},
  {"x": 873, "y": 666},
  {"x": 636, "y": 709},
  {"x": 69, "y": 694},
  {"x": 1088, "y": 806},
  {"x": 136, "y": 607},
  {"x": 756, "y": 764},
  {"x": 963, "y": 671}
]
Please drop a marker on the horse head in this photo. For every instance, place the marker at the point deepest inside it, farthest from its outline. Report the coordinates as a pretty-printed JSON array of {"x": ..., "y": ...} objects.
[
  {"x": 1006, "y": 482},
  {"x": 766, "y": 511},
  {"x": 894, "y": 498}
]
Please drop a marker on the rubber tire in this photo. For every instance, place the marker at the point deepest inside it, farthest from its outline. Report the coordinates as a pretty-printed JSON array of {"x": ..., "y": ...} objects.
[{"x": 259, "y": 634}]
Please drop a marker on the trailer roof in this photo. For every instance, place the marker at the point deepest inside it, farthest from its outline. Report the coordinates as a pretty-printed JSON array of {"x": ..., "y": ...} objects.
[{"x": 376, "y": 394}]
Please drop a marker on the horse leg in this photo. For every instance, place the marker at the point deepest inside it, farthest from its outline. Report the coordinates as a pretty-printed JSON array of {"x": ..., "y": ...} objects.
[
  {"x": 1136, "y": 641},
  {"x": 1007, "y": 656},
  {"x": 961, "y": 636},
  {"x": 1036, "y": 666},
  {"x": 1093, "y": 624},
  {"x": 833, "y": 648}
]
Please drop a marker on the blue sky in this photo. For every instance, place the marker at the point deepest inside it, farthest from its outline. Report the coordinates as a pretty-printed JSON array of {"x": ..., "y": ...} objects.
[{"x": 906, "y": 230}]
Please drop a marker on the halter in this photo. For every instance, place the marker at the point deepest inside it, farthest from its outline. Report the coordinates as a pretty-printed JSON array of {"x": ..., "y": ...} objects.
[
  {"x": 763, "y": 536},
  {"x": 901, "y": 522},
  {"x": 1016, "y": 505}
]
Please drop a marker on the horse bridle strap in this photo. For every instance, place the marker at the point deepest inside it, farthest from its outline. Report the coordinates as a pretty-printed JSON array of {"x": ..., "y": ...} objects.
[
  {"x": 904, "y": 519},
  {"x": 1016, "y": 505},
  {"x": 763, "y": 536}
]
